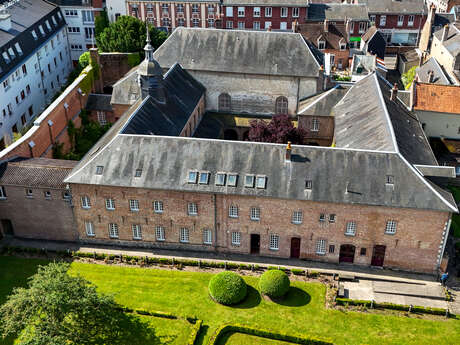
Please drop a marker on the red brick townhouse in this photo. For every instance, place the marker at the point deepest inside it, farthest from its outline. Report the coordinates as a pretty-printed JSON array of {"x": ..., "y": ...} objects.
[
  {"x": 399, "y": 21},
  {"x": 171, "y": 14},
  {"x": 263, "y": 14},
  {"x": 151, "y": 182}
]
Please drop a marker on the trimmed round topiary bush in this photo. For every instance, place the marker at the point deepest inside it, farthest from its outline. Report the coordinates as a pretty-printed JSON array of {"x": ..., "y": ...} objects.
[
  {"x": 274, "y": 283},
  {"x": 227, "y": 288}
]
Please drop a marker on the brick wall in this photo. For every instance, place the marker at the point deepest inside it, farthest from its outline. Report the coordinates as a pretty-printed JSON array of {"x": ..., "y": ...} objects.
[{"x": 414, "y": 246}]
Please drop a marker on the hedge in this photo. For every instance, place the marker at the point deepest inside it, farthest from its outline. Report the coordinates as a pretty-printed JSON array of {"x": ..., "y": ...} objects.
[
  {"x": 297, "y": 272},
  {"x": 194, "y": 333},
  {"x": 274, "y": 283},
  {"x": 385, "y": 305},
  {"x": 296, "y": 339},
  {"x": 227, "y": 288}
]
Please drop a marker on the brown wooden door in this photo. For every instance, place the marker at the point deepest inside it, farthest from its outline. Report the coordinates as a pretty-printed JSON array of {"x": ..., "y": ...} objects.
[
  {"x": 255, "y": 243},
  {"x": 347, "y": 253},
  {"x": 295, "y": 247},
  {"x": 378, "y": 255}
]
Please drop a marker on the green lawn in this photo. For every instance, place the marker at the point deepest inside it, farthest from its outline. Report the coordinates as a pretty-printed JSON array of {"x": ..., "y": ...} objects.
[
  {"x": 244, "y": 339},
  {"x": 302, "y": 312}
]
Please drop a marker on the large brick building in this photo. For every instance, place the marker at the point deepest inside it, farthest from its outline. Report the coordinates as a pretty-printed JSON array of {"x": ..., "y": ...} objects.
[{"x": 369, "y": 200}]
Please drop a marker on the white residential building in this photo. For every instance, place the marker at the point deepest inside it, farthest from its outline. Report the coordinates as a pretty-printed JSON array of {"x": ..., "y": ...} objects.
[
  {"x": 115, "y": 9},
  {"x": 34, "y": 62}
]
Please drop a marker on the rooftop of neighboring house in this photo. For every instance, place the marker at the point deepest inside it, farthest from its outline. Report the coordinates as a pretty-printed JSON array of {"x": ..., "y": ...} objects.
[
  {"x": 395, "y": 6},
  {"x": 441, "y": 19},
  {"x": 452, "y": 42},
  {"x": 337, "y": 12},
  {"x": 410, "y": 55},
  {"x": 99, "y": 102},
  {"x": 315, "y": 32},
  {"x": 323, "y": 103},
  {"x": 17, "y": 23},
  {"x": 363, "y": 64},
  {"x": 76, "y": 3},
  {"x": 239, "y": 51},
  {"x": 35, "y": 172},
  {"x": 433, "y": 68},
  {"x": 376, "y": 43},
  {"x": 300, "y": 3},
  {"x": 437, "y": 98}
]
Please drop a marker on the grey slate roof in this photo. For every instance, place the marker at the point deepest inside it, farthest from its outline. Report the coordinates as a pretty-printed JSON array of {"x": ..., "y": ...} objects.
[
  {"x": 395, "y": 6},
  {"x": 322, "y": 104},
  {"x": 337, "y": 12},
  {"x": 36, "y": 172},
  {"x": 452, "y": 43},
  {"x": 300, "y": 3},
  {"x": 99, "y": 102},
  {"x": 376, "y": 43},
  {"x": 235, "y": 51},
  {"x": 439, "y": 76},
  {"x": 127, "y": 90}
]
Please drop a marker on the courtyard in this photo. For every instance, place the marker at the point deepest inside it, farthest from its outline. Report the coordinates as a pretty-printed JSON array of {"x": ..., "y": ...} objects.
[{"x": 185, "y": 294}]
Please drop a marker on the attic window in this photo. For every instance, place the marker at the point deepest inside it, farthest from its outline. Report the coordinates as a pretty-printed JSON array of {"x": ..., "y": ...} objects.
[
  {"x": 41, "y": 30},
  {"x": 34, "y": 35},
  {"x": 204, "y": 178},
  {"x": 48, "y": 25},
  {"x": 232, "y": 180},
  {"x": 99, "y": 170},
  {"x": 308, "y": 184},
  {"x": 6, "y": 57},
  {"x": 343, "y": 46},
  {"x": 138, "y": 173},
  {"x": 249, "y": 181},
  {"x": 390, "y": 179},
  {"x": 321, "y": 45},
  {"x": 54, "y": 20},
  {"x": 18, "y": 48},
  {"x": 220, "y": 179},
  {"x": 192, "y": 177},
  {"x": 11, "y": 52},
  {"x": 261, "y": 182}
]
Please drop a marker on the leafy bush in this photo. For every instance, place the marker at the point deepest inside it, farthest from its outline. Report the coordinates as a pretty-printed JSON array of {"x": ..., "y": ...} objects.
[
  {"x": 227, "y": 288},
  {"x": 297, "y": 271},
  {"x": 274, "y": 283},
  {"x": 313, "y": 274}
]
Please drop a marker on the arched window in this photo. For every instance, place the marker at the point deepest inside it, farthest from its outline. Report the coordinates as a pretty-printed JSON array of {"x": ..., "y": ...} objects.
[
  {"x": 281, "y": 105},
  {"x": 225, "y": 102}
]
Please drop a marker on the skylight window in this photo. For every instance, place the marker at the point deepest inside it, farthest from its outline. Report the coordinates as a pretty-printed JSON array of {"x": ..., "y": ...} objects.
[
  {"x": 261, "y": 182},
  {"x": 41, "y": 30},
  {"x": 249, "y": 181},
  {"x": 204, "y": 178},
  {"x": 18, "y": 48},
  {"x": 53, "y": 20},
  {"x": 34, "y": 35},
  {"x": 6, "y": 57},
  {"x": 99, "y": 170},
  {"x": 11, "y": 52},
  {"x": 220, "y": 179},
  {"x": 138, "y": 173},
  {"x": 232, "y": 180},
  {"x": 192, "y": 177},
  {"x": 48, "y": 25}
]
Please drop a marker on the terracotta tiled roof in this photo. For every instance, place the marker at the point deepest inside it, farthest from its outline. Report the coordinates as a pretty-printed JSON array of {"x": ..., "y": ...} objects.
[{"x": 438, "y": 98}]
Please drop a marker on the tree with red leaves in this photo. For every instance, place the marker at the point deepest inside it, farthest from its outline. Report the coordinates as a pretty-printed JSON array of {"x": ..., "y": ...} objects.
[{"x": 279, "y": 130}]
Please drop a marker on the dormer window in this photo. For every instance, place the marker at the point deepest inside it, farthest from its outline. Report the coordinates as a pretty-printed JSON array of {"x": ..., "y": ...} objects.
[
  {"x": 308, "y": 184},
  {"x": 6, "y": 57},
  {"x": 99, "y": 170},
  {"x": 47, "y": 194},
  {"x": 390, "y": 179},
  {"x": 192, "y": 177},
  {"x": 29, "y": 193},
  {"x": 41, "y": 30},
  {"x": 204, "y": 178},
  {"x": 342, "y": 44},
  {"x": 11, "y": 52},
  {"x": 138, "y": 173},
  {"x": 261, "y": 182},
  {"x": 34, "y": 35},
  {"x": 220, "y": 179},
  {"x": 249, "y": 181},
  {"x": 232, "y": 180},
  {"x": 54, "y": 20},
  {"x": 321, "y": 44}
]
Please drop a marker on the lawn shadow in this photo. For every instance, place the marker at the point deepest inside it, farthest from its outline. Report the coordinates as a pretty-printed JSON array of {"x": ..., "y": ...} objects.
[
  {"x": 203, "y": 331},
  {"x": 252, "y": 299},
  {"x": 295, "y": 297}
]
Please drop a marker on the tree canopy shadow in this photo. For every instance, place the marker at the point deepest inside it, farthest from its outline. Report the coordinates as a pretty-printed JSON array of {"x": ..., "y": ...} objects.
[
  {"x": 252, "y": 299},
  {"x": 295, "y": 297}
]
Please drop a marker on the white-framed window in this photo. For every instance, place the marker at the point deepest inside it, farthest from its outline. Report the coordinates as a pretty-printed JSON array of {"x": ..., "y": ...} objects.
[
  {"x": 236, "y": 238},
  {"x": 256, "y": 25},
  {"x": 70, "y": 13},
  {"x": 240, "y": 11},
  {"x": 352, "y": 27},
  {"x": 295, "y": 12},
  {"x": 343, "y": 45},
  {"x": 372, "y": 18},
  {"x": 210, "y": 9},
  {"x": 321, "y": 45},
  {"x": 274, "y": 242},
  {"x": 410, "y": 20},
  {"x": 268, "y": 11},
  {"x": 241, "y": 25},
  {"x": 180, "y": 22},
  {"x": 18, "y": 49},
  {"x": 195, "y": 8},
  {"x": 184, "y": 236},
  {"x": 267, "y": 25},
  {"x": 29, "y": 192},
  {"x": 210, "y": 23},
  {"x": 149, "y": 8},
  {"x": 2, "y": 192},
  {"x": 390, "y": 227},
  {"x": 192, "y": 176},
  {"x": 322, "y": 217},
  {"x": 158, "y": 206},
  {"x": 99, "y": 170},
  {"x": 383, "y": 20},
  {"x": 195, "y": 22},
  {"x": 113, "y": 230},
  {"x": 362, "y": 27},
  {"x": 233, "y": 211},
  {"x": 109, "y": 204},
  {"x": 332, "y": 218},
  {"x": 297, "y": 217},
  {"x": 160, "y": 233},
  {"x": 138, "y": 173},
  {"x": 192, "y": 209},
  {"x": 284, "y": 11},
  {"x": 400, "y": 20},
  {"x": 261, "y": 182},
  {"x": 101, "y": 118},
  {"x": 89, "y": 228},
  {"x": 256, "y": 12},
  {"x": 165, "y": 8},
  {"x": 204, "y": 178},
  {"x": 249, "y": 181},
  {"x": 390, "y": 179},
  {"x": 85, "y": 201},
  {"x": 229, "y": 25},
  {"x": 255, "y": 213},
  {"x": 321, "y": 247},
  {"x": 134, "y": 205},
  {"x": 351, "y": 228},
  {"x": 232, "y": 180},
  {"x": 137, "y": 231},
  {"x": 220, "y": 179},
  {"x": 283, "y": 26},
  {"x": 314, "y": 125},
  {"x": 207, "y": 236},
  {"x": 34, "y": 35},
  {"x": 180, "y": 8},
  {"x": 229, "y": 12}
]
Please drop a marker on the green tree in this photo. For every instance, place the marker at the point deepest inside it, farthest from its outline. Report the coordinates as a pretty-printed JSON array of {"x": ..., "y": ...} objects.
[
  {"x": 60, "y": 309},
  {"x": 127, "y": 35},
  {"x": 408, "y": 77},
  {"x": 101, "y": 22},
  {"x": 84, "y": 60}
]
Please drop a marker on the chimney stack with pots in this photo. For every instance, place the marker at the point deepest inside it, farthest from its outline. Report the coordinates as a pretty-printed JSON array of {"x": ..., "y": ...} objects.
[
  {"x": 394, "y": 92},
  {"x": 326, "y": 25},
  {"x": 288, "y": 151},
  {"x": 430, "y": 76}
]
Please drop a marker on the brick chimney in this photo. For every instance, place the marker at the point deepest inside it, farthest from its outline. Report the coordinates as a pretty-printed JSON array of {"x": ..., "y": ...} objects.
[
  {"x": 294, "y": 26},
  {"x": 394, "y": 92},
  {"x": 445, "y": 32},
  {"x": 288, "y": 151},
  {"x": 326, "y": 25}
]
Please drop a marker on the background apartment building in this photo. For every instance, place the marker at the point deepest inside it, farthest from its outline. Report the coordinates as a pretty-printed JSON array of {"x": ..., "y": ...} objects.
[
  {"x": 79, "y": 16},
  {"x": 34, "y": 62}
]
